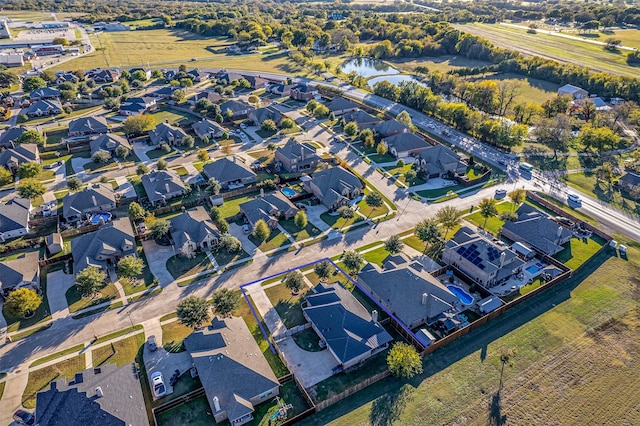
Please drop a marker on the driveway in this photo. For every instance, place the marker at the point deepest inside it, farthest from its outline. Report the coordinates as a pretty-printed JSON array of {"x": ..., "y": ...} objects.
[
  {"x": 78, "y": 164},
  {"x": 313, "y": 216},
  {"x": 167, "y": 363},
  {"x": 247, "y": 245},
  {"x": 57, "y": 285},
  {"x": 309, "y": 367},
  {"x": 157, "y": 257}
]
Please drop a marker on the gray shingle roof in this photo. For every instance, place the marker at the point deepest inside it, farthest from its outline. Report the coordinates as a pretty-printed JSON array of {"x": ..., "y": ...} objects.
[
  {"x": 75, "y": 403},
  {"x": 206, "y": 127},
  {"x": 261, "y": 114},
  {"x": 159, "y": 183},
  {"x": 266, "y": 207},
  {"x": 45, "y": 92},
  {"x": 235, "y": 106},
  {"x": 108, "y": 142},
  {"x": 23, "y": 153},
  {"x": 630, "y": 180},
  {"x": 44, "y": 105},
  {"x": 11, "y": 135},
  {"x": 228, "y": 170},
  {"x": 113, "y": 239},
  {"x": 14, "y": 214},
  {"x": 536, "y": 229},
  {"x": 390, "y": 127},
  {"x": 361, "y": 118},
  {"x": 343, "y": 323},
  {"x": 166, "y": 133},
  {"x": 192, "y": 225},
  {"x": 24, "y": 268},
  {"x": 93, "y": 125},
  {"x": 440, "y": 159},
  {"x": 332, "y": 182},
  {"x": 77, "y": 203},
  {"x": 294, "y": 150},
  {"x": 406, "y": 142},
  {"x": 340, "y": 103}
]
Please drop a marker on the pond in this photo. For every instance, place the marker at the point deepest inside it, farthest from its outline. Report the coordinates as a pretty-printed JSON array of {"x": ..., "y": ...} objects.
[
  {"x": 394, "y": 79},
  {"x": 367, "y": 67}
]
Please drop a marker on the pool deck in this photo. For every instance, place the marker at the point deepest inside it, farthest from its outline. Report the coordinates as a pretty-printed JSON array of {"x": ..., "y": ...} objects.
[{"x": 514, "y": 283}]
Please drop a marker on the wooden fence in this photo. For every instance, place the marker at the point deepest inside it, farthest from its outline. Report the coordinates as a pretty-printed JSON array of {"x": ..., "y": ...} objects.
[
  {"x": 176, "y": 402},
  {"x": 350, "y": 391},
  {"x": 72, "y": 232}
]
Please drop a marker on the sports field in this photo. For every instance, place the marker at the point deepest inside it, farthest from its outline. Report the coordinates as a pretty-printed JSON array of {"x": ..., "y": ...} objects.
[{"x": 549, "y": 46}]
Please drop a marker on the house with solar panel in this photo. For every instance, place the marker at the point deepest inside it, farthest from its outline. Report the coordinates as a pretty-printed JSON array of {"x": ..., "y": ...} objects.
[{"x": 480, "y": 259}]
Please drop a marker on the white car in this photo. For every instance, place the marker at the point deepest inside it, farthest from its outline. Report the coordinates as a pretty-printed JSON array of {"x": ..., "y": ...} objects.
[
  {"x": 157, "y": 383},
  {"x": 574, "y": 199}
]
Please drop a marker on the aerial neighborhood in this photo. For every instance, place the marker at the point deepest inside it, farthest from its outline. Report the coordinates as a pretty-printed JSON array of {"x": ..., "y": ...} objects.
[{"x": 279, "y": 219}]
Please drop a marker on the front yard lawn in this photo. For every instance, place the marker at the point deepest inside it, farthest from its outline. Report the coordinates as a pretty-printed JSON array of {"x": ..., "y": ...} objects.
[
  {"x": 224, "y": 258},
  {"x": 493, "y": 223},
  {"x": 40, "y": 379},
  {"x": 180, "y": 266},
  {"x": 158, "y": 153},
  {"x": 439, "y": 192},
  {"x": 364, "y": 208},
  {"x": 276, "y": 239},
  {"x": 376, "y": 256},
  {"x": 577, "y": 251},
  {"x": 141, "y": 282},
  {"x": 42, "y": 313},
  {"x": 119, "y": 353},
  {"x": 298, "y": 234},
  {"x": 264, "y": 156},
  {"x": 77, "y": 302},
  {"x": 173, "y": 333},
  {"x": 337, "y": 222},
  {"x": 287, "y": 305},
  {"x": 386, "y": 158}
]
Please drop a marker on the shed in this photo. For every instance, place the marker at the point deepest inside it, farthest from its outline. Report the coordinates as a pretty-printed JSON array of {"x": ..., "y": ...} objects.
[
  {"x": 54, "y": 243},
  {"x": 425, "y": 338},
  {"x": 523, "y": 250},
  {"x": 489, "y": 304}
]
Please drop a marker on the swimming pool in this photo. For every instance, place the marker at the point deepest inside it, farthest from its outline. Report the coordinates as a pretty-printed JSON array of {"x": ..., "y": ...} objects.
[
  {"x": 288, "y": 191},
  {"x": 464, "y": 297},
  {"x": 100, "y": 217},
  {"x": 534, "y": 269}
]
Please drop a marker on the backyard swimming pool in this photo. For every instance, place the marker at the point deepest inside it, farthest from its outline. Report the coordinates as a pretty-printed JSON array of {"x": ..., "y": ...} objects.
[
  {"x": 100, "y": 217},
  {"x": 534, "y": 269},
  {"x": 288, "y": 192},
  {"x": 464, "y": 297}
]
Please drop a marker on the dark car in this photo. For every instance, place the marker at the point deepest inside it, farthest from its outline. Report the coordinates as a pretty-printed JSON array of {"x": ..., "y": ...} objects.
[
  {"x": 24, "y": 418},
  {"x": 151, "y": 342}
]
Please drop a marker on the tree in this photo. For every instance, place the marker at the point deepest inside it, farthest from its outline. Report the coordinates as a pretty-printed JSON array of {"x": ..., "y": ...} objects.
[
  {"x": 193, "y": 311},
  {"x": 122, "y": 152},
  {"x": 323, "y": 270},
  {"x": 29, "y": 170},
  {"x": 517, "y": 197},
  {"x": 321, "y": 111},
  {"x": 351, "y": 128},
  {"x": 5, "y": 176},
  {"x": 268, "y": 126},
  {"x": 30, "y": 188},
  {"x": 8, "y": 79},
  {"x": 226, "y": 147},
  {"x": 287, "y": 123},
  {"x": 410, "y": 175},
  {"x": 353, "y": 261},
  {"x": 381, "y": 149},
  {"x": 225, "y": 301},
  {"x": 101, "y": 157},
  {"x": 162, "y": 164},
  {"x": 405, "y": 118},
  {"x": 553, "y": 132},
  {"x": 136, "y": 212},
  {"x": 404, "y": 361},
  {"x": 142, "y": 169},
  {"x": 130, "y": 267},
  {"x": 394, "y": 244},
  {"x": 138, "y": 124},
  {"x": 74, "y": 183},
  {"x": 300, "y": 219},
  {"x": 178, "y": 95},
  {"x": 61, "y": 41},
  {"x": 230, "y": 243},
  {"x": 294, "y": 281},
  {"x": 428, "y": 232},
  {"x": 159, "y": 229},
  {"x": 345, "y": 212},
  {"x": 214, "y": 186},
  {"x": 33, "y": 83},
  {"x": 188, "y": 142},
  {"x": 21, "y": 302},
  {"x": 90, "y": 280},
  {"x": 261, "y": 230},
  {"x": 598, "y": 138},
  {"x": 449, "y": 217},
  {"x": 373, "y": 200},
  {"x": 400, "y": 163},
  {"x": 203, "y": 155},
  {"x": 487, "y": 209},
  {"x": 32, "y": 136}
]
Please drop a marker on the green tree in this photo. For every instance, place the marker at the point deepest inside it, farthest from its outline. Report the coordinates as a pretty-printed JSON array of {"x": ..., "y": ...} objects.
[
  {"x": 381, "y": 149},
  {"x": 122, "y": 152},
  {"x": 261, "y": 230},
  {"x": 400, "y": 163},
  {"x": 162, "y": 164},
  {"x": 294, "y": 281},
  {"x": 90, "y": 280},
  {"x": 345, "y": 212},
  {"x": 268, "y": 126},
  {"x": 188, "y": 142},
  {"x": 321, "y": 111},
  {"x": 8, "y": 79},
  {"x": 373, "y": 200},
  {"x": 142, "y": 169},
  {"x": 323, "y": 270},
  {"x": 410, "y": 175},
  {"x": 394, "y": 244},
  {"x": 351, "y": 128},
  {"x": 29, "y": 170},
  {"x": 287, "y": 123},
  {"x": 203, "y": 155},
  {"x": 136, "y": 212},
  {"x": 449, "y": 217},
  {"x": 225, "y": 301},
  {"x": 193, "y": 311},
  {"x": 214, "y": 187},
  {"x": 554, "y": 132},
  {"x": 21, "y": 302},
  {"x": 138, "y": 124},
  {"x": 5, "y": 176},
  {"x": 33, "y": 83},
  {"x": 300, "y": 219},
  {"x": 598, "y": 138},
  {"x": 353, "y": 261},
  {"x": 230, "y": 243},
  {"x": 159, "y": 229},
  {"x": 404, "y": 361},
  {"x": 32, "y": 136},
  {"x": 487, "y": 209},
  {"x": 130, "y": 267},
  {"x": 101, "y": 157},
  {"x": 428, "y": 232},
  {"x": 517, "y": 197},
  {"x": 74, "y": 184},
  {"x": 405, "y": 118},
  {"x": 30, "y": 188}
]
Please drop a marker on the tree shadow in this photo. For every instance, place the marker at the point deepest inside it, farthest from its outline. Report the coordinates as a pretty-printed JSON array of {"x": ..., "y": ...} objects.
[
  {"x": 388, "y": 408},
  {"x": 496, "y": 418}
]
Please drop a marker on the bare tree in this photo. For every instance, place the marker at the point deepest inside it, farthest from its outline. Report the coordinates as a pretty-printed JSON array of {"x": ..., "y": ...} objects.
[{"x": 507, "y": 91}]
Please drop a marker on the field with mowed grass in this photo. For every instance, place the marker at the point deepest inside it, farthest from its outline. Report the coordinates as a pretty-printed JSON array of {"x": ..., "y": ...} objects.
[
  {"x": 561, "y": 49},
  {"x": 577, "y": 350}
]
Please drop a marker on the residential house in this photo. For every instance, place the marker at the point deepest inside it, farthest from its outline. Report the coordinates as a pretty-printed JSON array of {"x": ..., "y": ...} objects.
[
  {"x": 87, "y": 126},
  {"x": 105, "y": 76},
  {"x": 303, "y": 92},
  {"x": 162, "y": 185},
  {"x": 64, "y": 77},
  {"x": 339, "y": 106},
  {"x": 98, "y": 197},
  {"x": 280, "y": 89},
  {"x": 235, "y": 110},
  {"x": 414, "y": 296},
  {"x": 104, "y": 247},
  {"x": 212, "y": 97},
  {"x": 362, "y": 119},
  {"x": 630, "y": 181},
  {"x": 11, "y": 136},
  {"x": 54, "y": 243},
  {"x": 19, "y": 272},
  {"x": 257, "y": 82},
  {"x": 193, "y": 230},
  {"x": 440, "y": 161},
  {"x": 405, "y": 144},
  {"x": 14, "y": 218},
  {"x": 537, "y": 230},
  {"x": 44, "y": 94},
  {"x": 99, "y": 396},
  {"x": 296, "y": 157},
  {"x": 235, "y": 375},
  {"x": 165, "y": 92},
  {"x": 44, "y": 108},
  {"x": 574, "y": 91},
  {"x": 229, "y": 77},
  {"x": 230, "y": 172},
  {"x": 169, "y": 75},
  {"x": 135, "y": 106},
  {"x": 334, "y": 187},
  {"x": 198, "y": 76},
  {"x": 270, "y": 208},
  {"x": 260, "y": 115},
  {"x": 109, "y": 143},
  {"x": 12, "y": 158},
  {"x": 146, "y": 72},
  {"x": 351, "y": 333},
  {"x": 480, "y": 259},
  {"x": 166, "y": 133},
  {"x": 208, "y": 128},
  {"x": 391, "y": 128}
]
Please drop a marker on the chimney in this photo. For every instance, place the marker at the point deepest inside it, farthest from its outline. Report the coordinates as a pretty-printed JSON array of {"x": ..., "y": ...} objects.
[
  {"x": 374, "y": 316},
  {"x": 166, "y": 187},
  {"x": 559, "y": 232},
  {"x": 503, "y": 255},
  {"x": 216, "y": 404},
  {"x": 95, "y": 202},
  {"x": 301, "y": 153},
  {"x": 261, "y": 192},
  {"x": 99, "y": 392},
  {"x": 425, "y": 298}
]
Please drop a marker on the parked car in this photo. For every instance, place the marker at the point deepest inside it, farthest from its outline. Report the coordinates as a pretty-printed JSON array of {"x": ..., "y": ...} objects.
[
  {"x": 151, "y": 343},
  {"x": 501, "y": 193},
  {"x": 246, "y": 229},
  {"x": 23, "y": 417},
  {"x": 157, "y": 382},
  {"x": 243, "y": 126}
]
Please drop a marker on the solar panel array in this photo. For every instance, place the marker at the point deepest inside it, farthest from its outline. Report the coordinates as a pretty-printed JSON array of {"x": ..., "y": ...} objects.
[{"x": 472, "y": 254}]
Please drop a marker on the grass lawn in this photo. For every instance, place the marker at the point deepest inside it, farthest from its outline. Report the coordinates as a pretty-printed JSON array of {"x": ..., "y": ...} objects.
[
  {"x": 231, "y": 206},
  {"x": 364, "y": 208},
  {"x": 180, "y": 266},
  {"x": 118, "y": 333},
  {"x": 77, "y": 302},
  {"x": 563, "y": 206},
  {"x": 307, "y": 340},
  {"x": 192, "y": 413},
  {"x": 287, "y": 305},
  {"x": 40, "y": 379},
  {"x": 493, "y": 224},
  {"x": 298, "y": 234},
  {"x": 224, "y": 258},
  {"x": 337, "y": 222},
  {"x": 587, "y": 183},
  {"x": 577, "y": 251},
  {"x": 265, "y": 156},
  {"x": 174, "y": 117},
  {"x": 414, "y": 242},
  {"x": 289, "y": 394},
  {"x": 120, "y": 353},
  {"x": 386, "y": 158},
  {"x": 439, "y": 192},
  {"x": 46, "y": 175},
  {"x": 275, "y": 240},
  {"x": 60, "y": 354},
  {"x": 376, "y": 256},
  {"x": 173, "y": 333},
  {"x": 158, "y": 153},
  {"x": 136, "y": 181},
  {"x": 143, "y": 281}
]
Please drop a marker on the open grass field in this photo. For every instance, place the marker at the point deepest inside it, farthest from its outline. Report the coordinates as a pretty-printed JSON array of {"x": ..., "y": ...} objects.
[
  {"x": 577, "y": 354},
  {"x": 548, "y": 46}
]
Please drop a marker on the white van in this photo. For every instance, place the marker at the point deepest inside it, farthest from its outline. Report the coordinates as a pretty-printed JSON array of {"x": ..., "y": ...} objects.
[{"x": 575, "y": 199}]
